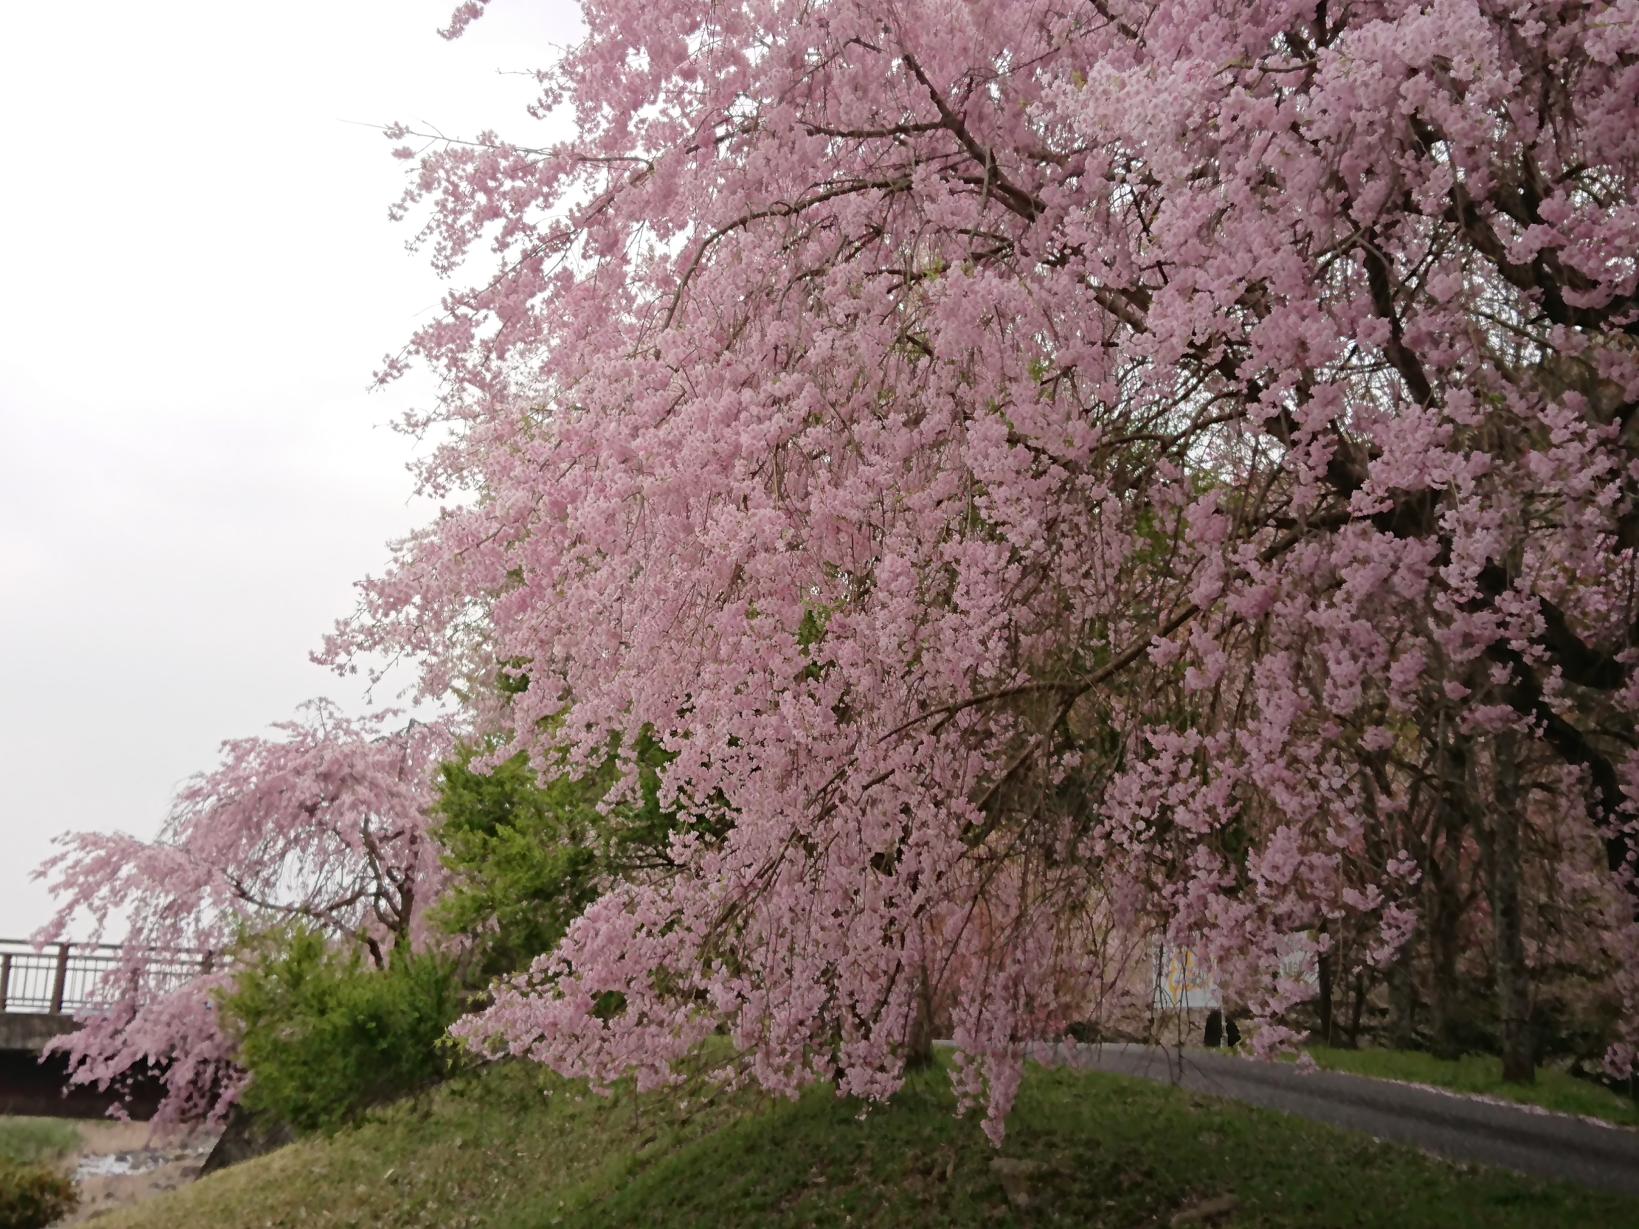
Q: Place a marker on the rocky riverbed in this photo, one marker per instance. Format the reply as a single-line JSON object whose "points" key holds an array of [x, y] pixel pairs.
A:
{"points": [[119, 1163]]}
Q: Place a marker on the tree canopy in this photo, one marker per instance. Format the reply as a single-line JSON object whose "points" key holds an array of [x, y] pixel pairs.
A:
{"points": [[1039, 467], [1008, 482], [325, 825]]}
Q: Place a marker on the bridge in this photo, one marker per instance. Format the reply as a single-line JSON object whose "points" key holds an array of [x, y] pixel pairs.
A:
{"points": [[44, 992]]}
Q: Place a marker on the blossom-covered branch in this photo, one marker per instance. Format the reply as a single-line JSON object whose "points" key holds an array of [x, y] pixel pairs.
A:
{"points": [[326, 822], [1042, 470]]}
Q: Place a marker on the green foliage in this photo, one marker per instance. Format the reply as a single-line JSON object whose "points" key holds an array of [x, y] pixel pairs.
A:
{"points": [[325, 1036], [528, 857], [523, 856], [32, 1192], [33, 1196], [31, 1140]]}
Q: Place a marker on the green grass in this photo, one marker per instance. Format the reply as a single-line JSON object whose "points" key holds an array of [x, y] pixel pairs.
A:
{"points": [[37, 1140], [1481, 1075], [1088, 1150]]}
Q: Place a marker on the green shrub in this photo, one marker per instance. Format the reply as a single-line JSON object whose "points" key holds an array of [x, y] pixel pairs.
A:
{"points": [[325, 1036], [529, 852], [524, 855], [33, 1196]]}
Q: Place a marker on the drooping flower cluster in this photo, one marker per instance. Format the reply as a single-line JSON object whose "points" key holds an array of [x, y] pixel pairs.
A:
{"points": [[325, 824], [1041, 468]]}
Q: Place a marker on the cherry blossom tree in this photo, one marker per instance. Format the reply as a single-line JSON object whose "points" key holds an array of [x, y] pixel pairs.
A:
{"points": [[1035, 465], [326, 824]]}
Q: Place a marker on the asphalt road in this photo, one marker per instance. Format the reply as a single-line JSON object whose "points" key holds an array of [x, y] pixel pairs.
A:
{"points": [[1461, 1128]]}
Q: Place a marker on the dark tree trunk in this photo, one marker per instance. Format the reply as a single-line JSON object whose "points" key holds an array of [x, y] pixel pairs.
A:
{"points": [[1402, 1030], [1326, 976], [1356, 1007], [1444, 947], [919, 1041], [246, 1136], [1507, 930], [1446, 867]]}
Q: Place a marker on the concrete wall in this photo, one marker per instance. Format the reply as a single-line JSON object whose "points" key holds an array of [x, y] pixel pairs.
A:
{"points": [[32, 1084], [29, 1031]]}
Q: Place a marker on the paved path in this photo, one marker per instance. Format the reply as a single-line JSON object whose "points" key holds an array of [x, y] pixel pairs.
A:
{"points": [[1462, 1128]]}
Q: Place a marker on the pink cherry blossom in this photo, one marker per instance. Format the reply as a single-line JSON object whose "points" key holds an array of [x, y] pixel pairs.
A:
{"points": [[326, 824], [1040, 469]]}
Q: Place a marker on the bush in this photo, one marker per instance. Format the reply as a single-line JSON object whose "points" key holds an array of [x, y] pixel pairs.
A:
{"points": [[524, 857], [529, 852], [33, 1196], [325, 1036], [529, 846]]}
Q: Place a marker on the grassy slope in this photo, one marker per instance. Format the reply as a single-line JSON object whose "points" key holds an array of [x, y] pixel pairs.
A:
{"points": [[495, 1152], [1481, 1074], [37, 1139]]}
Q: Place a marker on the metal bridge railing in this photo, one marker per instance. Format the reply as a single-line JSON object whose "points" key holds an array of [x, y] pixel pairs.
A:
{"points": [[63, 978]]}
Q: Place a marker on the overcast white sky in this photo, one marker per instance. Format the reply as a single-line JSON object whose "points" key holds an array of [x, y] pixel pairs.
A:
{"points": [[197, 277]]}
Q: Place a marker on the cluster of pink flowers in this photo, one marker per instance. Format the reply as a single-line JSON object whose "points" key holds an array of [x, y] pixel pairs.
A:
{"points": [[1040, 467], [1055, 479], [326, 824]]}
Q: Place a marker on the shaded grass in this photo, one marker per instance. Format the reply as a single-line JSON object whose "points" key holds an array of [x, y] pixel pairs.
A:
{"points": [[457, 1158], [1481, 1075], [1083, 1149], [37, 1140]]}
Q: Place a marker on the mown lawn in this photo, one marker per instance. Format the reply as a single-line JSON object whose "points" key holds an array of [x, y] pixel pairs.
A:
{"points": [[37, 1140], [1481, 1075], [513, 1149]]}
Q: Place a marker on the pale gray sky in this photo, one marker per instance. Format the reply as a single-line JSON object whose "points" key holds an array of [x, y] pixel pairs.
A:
{"points": [[197, 277]]}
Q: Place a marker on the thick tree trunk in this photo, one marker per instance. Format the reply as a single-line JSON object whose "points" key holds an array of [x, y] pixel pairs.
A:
{"points": [[1356, 1007], [1402, 1030], [1326, 975], [919, 1041], [1444, 947], [1446, 903], [1508, 938]]}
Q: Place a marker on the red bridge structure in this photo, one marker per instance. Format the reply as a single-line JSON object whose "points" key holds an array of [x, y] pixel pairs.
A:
{"points": [[44, 992]]}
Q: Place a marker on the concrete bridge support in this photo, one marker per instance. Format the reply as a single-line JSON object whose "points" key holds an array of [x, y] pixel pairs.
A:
{"points": [[41, 989]]}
